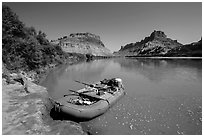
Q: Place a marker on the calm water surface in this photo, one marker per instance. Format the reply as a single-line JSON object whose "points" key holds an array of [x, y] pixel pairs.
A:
{"points": [[163, 96]]}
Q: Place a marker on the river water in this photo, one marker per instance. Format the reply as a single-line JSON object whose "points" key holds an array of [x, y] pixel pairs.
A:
{"points": [[164, 96]]}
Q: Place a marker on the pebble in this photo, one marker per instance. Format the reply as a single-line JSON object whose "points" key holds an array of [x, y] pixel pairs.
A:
{"points": [[131, 126], [200, 119]]}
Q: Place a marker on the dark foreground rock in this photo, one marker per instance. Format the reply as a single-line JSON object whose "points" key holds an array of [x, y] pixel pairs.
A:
{"points": [[28, 112]]}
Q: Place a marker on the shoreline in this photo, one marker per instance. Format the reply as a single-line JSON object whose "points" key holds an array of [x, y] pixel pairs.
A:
{"points": [[28, 113], [47, 70], [164, 57]]}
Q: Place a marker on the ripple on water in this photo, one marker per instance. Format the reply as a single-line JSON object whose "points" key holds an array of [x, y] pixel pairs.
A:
{"points": [[152, 117]]}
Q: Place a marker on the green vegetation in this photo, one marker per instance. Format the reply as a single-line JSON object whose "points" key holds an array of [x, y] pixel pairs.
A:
{"points": [[25, 48]]}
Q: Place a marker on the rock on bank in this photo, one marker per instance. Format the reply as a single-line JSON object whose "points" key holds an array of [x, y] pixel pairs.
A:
{"points": [[28, 113]]}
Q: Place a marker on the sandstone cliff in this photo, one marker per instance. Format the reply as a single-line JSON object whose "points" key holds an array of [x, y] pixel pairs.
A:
{"points": [[84, 43], [154, 45]]}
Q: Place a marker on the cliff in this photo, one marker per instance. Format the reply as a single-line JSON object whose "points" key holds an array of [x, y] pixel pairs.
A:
{"points": [[158, 44], [83, 43]]}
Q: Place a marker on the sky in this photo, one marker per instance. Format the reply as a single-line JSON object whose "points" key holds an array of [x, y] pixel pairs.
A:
{"points": [[117, 24]]}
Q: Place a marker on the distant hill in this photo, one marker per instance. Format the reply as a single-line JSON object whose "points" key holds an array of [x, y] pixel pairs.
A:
{"points": [[158, 44], [189, 50], [84, 43]]}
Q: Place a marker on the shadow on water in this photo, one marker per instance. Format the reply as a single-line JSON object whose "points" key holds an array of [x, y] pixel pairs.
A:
{"points": [[56, 115], [59, 115]]}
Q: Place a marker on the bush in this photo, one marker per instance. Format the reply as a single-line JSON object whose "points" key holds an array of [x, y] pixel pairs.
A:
{"points": [[24, 47]]}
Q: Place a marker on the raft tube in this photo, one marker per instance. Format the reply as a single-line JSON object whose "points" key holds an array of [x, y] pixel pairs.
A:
{"points": [[87, 112]]}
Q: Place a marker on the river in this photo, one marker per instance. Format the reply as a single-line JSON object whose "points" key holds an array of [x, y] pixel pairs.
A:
{"points": [[164, 96]]}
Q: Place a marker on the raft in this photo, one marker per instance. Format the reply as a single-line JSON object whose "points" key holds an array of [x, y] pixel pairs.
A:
{"points": [[88, 103]]}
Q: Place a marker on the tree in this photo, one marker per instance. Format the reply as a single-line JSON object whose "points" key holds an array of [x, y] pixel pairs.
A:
{"points": [[41, 37], [31, 31], [22, 46], [11, 25]]}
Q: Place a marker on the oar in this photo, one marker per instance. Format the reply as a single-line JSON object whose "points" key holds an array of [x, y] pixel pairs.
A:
{"points": [[88, 91], [88, 96], [90, 85], [99, 88]]}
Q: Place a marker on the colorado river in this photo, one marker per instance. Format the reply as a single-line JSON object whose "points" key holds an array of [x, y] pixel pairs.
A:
{"points": [[164, 96]]}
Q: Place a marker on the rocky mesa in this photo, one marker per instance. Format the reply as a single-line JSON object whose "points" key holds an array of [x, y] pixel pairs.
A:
{"points": [[83, 43], [158, 44]]}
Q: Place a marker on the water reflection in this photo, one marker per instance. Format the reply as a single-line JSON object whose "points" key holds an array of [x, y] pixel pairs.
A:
{"points": [[163, 96], [61, 79], [157, 69]]}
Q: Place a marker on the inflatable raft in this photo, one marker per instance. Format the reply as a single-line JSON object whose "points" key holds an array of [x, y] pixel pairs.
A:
{"points": [[91, 101]]}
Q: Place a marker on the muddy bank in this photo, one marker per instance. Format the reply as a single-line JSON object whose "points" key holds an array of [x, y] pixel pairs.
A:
{"points": [[27, 112]]}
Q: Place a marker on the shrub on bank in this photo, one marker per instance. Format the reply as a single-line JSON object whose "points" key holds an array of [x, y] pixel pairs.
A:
{"points": [[24, 48]]}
